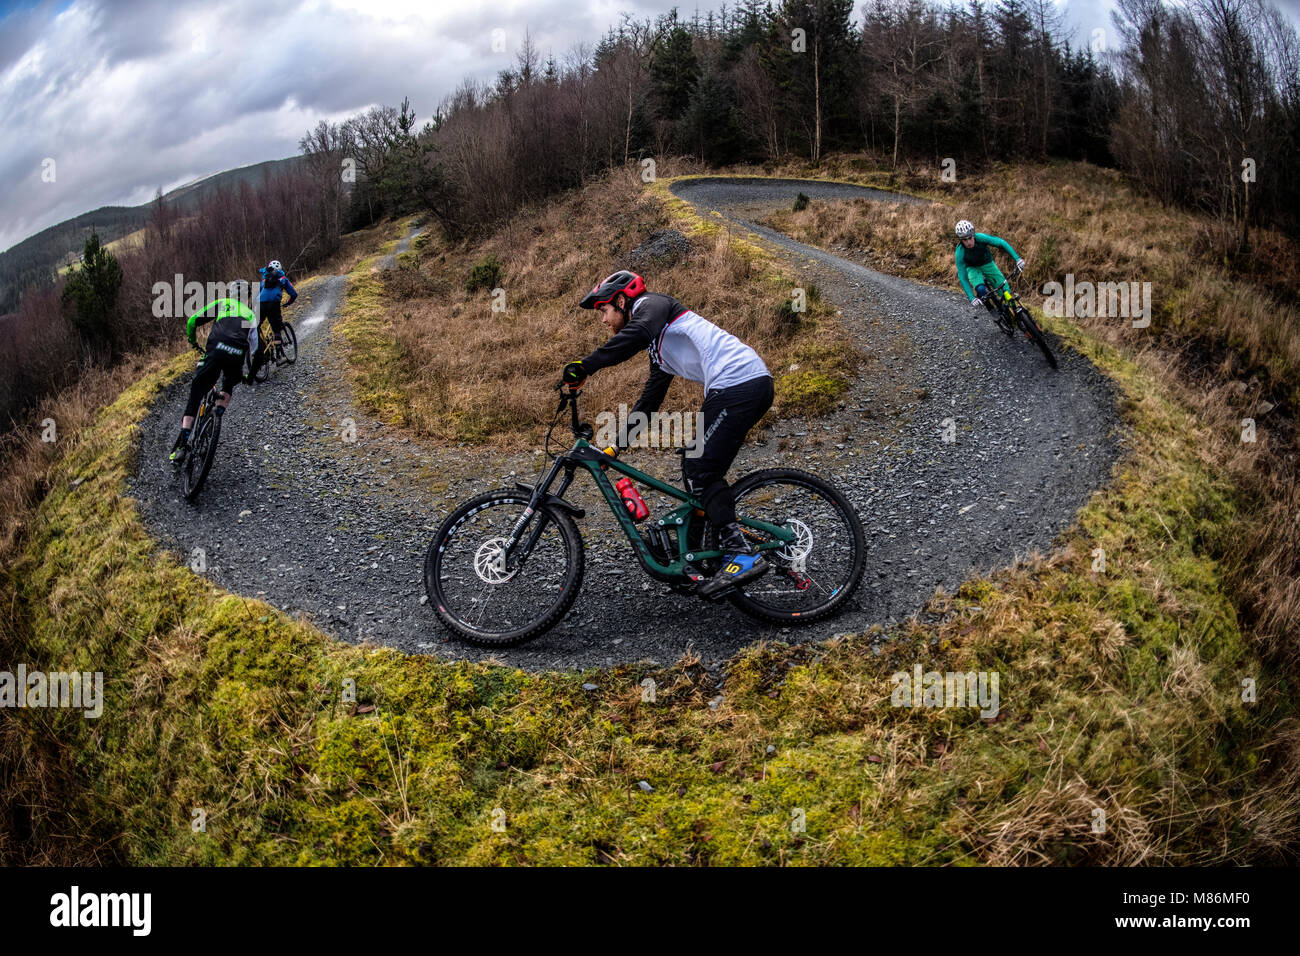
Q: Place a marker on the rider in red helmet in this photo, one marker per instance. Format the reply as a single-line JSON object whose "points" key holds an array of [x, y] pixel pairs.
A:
{"points": [[737, 393]]}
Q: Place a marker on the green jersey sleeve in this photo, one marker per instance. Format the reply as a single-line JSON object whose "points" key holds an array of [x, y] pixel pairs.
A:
{"points": [[996, 241], [960, 256], [193, 323]]}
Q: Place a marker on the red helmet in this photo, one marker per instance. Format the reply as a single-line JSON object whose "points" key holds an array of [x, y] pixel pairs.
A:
{"points": [[628, 283]]}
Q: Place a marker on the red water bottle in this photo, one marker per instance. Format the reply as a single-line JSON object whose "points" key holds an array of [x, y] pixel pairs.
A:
{"points": [[636, 508]]}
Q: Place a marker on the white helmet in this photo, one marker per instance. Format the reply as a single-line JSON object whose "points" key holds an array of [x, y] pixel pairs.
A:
{"points": [[965, 229], [275, 263]]}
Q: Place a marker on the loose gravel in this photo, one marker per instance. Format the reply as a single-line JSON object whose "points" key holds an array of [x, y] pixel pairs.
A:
{"points": [[326, 514]]}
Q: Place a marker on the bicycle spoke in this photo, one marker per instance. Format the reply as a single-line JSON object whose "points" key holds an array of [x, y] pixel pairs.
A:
{"points": [[473, 584], [811, 569]]}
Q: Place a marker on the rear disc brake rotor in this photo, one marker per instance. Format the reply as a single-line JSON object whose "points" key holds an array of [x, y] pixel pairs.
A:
{"points": [[796, 552]]}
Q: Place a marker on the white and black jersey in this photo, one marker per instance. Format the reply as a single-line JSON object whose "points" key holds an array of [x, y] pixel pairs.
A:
{"points": [[680, 342]]}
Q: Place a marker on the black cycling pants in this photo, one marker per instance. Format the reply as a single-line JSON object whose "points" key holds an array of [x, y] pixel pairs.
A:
{"points": [[729, 414], [270, 311], [214, 362]]}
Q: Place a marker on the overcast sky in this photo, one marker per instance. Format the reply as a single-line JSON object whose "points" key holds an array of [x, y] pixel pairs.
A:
{"points": [[126, 96]]}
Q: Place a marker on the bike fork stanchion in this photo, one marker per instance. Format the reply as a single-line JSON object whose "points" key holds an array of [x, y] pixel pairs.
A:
{"points": [[531, 512]]}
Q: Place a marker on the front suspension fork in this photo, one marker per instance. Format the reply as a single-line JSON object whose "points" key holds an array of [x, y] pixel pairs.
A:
{"points": [[517, 551]]}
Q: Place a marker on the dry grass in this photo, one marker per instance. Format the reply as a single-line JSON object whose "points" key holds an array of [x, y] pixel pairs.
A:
{"points": [[26, 459], [357, 245], [458, 371], [35, 778], [1086, 221]]}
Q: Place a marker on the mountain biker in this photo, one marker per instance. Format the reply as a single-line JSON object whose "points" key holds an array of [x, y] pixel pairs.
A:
{"points": [[975, 263], [233, 334], [738, 391], [274, 283]]}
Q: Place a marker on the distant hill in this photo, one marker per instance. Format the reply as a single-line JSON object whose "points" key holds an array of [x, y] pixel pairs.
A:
{"points": [[38, 258], [188, 196]]}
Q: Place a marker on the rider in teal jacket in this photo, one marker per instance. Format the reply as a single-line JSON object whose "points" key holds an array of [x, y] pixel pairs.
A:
{"points": [[975, 265]]}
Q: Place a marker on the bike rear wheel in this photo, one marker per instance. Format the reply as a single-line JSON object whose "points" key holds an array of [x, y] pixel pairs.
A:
{"points": [[289, 344], [264, 371], [1035, 334], [203, 449], [481, 597], [813, 576]]}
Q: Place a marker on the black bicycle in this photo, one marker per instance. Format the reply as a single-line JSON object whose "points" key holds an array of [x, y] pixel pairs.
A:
{"points": [[507, 565], [286, 353], [202, 447], [1011, 315]]}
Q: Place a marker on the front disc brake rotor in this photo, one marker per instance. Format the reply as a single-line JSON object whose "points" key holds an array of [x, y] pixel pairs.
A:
{"points": [[490, 562]]}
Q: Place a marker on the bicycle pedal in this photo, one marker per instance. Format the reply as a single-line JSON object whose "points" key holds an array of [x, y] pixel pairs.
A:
{"points": [[716, 596], [693, 577]]}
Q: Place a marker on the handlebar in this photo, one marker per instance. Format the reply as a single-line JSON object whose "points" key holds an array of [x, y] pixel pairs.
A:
{"points": [[1006, 280], [569, 396]]}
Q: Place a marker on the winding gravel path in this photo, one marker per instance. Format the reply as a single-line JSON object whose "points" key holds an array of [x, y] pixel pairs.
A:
{"points": [[335, 530]]}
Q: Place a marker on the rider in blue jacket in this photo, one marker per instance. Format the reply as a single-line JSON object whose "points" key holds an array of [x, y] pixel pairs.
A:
{"points": [[274, 284]]}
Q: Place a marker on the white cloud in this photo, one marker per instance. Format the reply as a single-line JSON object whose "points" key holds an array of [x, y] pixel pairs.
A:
{"points": [[128, 97], [131, 95]]}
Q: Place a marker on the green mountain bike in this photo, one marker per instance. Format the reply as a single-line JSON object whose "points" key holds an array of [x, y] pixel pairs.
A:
{"points": [[506, 566]]}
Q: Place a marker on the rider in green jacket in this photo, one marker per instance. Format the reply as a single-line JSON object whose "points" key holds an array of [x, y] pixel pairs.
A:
{"points": [[233, 335]]}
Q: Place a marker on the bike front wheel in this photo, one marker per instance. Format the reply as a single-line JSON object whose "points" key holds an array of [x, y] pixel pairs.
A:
{"points": [[816, 573], [264, 371], [494, 599], [1035, 334]]}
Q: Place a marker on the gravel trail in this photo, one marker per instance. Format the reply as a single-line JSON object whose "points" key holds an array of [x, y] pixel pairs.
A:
{"points": [[334, 530]]}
